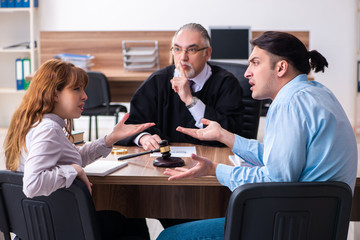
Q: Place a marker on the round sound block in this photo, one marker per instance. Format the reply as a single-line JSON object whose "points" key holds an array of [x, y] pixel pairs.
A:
{"points": [[169, 162]]}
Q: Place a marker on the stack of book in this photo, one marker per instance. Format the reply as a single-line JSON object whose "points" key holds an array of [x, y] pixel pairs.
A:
{"points": [[82, 61], [78, 137]]}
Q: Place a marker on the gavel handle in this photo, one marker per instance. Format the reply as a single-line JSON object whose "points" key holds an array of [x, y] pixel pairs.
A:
{"points": [[137, 154]]}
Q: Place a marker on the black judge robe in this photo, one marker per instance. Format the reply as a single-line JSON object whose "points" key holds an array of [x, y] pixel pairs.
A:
{"points": [[155, 101]]}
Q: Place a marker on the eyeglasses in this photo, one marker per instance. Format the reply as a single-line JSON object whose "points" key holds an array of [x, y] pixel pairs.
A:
{"points": [[190, 50]]}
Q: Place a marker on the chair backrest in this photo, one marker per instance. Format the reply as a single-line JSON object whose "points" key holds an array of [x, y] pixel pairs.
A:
{"points": [[279, 211], [68, 213], [97, 91], [252, 107]]}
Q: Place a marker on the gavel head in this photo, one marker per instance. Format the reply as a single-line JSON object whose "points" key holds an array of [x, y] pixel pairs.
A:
{"points": [[164, 149]]}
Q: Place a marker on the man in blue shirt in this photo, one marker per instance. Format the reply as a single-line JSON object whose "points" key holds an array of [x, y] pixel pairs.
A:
{"points": [[307, 134]]}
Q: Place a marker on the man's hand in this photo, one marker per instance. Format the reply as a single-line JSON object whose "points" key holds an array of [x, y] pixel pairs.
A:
{"points": [[82, 176], [181, 86], [204, 167], [213, 132], [121, 130], [150, 142]]}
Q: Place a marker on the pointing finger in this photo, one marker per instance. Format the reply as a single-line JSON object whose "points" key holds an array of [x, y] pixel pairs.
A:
{"points": [[181, 70]]}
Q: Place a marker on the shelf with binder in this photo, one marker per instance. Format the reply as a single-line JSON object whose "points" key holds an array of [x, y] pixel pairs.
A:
{"points": [[18, 3], [141, 55], [21, 27]]}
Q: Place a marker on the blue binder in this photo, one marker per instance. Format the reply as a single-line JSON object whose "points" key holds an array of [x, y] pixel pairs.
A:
{"points": [[19, 74], [10, 3], [26, 3], [19, 3], [3, 3]]}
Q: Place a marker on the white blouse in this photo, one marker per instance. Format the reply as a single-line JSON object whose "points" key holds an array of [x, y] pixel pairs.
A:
{"points": [[47, 162]]}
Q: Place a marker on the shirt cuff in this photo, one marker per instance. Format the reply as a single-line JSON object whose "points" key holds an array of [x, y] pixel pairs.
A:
{"points": [[240, 144], [198, 111], [137, 139], [69, 173], [223, 173], [101, 148]]}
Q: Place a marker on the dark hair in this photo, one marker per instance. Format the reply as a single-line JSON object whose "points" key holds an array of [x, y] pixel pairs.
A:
{"points": [[291, 49]]}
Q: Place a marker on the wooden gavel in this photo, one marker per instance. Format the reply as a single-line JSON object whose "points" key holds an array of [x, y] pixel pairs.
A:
{"points": [[164, 150]]}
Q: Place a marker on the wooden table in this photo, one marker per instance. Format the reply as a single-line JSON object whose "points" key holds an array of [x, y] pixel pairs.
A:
{"points": [[142, 190]]}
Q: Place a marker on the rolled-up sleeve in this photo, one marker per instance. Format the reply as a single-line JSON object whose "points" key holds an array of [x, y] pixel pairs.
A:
{"points": [[93, 150]]}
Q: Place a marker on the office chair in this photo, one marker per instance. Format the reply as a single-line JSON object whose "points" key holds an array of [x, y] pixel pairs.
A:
{"points": [[287, 211], [99, 100], [252, 107], [67, 213]]}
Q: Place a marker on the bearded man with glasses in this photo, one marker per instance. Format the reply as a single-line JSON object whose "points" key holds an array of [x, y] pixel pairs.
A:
{"points": [[184, 93]]}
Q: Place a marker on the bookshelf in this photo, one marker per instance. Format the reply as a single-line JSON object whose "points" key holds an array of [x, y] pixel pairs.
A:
{"points": [[19, 25]]}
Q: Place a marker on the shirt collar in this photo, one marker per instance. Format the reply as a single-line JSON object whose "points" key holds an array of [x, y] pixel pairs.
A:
{"points": [[285, 89], [202, 77], [56, 119]]}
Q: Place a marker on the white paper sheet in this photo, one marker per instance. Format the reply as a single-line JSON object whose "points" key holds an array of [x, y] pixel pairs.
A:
{"points": [[103, 167], [178, 151]]}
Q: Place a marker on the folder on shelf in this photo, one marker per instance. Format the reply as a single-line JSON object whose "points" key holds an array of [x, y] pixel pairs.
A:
{"points": [[19, 3], [10, 3], [19, 74], [26, 3], [26, 64], [3, 3]]}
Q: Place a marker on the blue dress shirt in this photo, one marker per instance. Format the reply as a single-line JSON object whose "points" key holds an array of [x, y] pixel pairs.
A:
{"points": [[308, 137]]}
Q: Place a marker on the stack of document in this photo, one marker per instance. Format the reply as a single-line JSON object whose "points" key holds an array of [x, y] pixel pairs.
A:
{"points": [[141, 55], [82, 61]]}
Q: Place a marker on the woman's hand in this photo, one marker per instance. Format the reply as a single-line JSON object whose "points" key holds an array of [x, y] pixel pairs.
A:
{"points": [[82, 176], [122, 130]]}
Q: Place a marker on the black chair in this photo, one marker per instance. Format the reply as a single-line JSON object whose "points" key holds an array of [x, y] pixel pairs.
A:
{"points": [[99, 100], [68, 213], [289, 211], [252, 107]]}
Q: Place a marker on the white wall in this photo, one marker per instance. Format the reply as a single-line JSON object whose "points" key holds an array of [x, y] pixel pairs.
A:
{"points": [[331, 24]]}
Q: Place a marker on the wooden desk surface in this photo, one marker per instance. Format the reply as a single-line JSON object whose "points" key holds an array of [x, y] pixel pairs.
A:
{"points": [[140, 170], [142, 190]]}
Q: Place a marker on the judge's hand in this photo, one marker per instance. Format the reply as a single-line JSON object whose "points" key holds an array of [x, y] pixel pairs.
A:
{"points": [[181, 86], [203, 167], [82, 176], [122, 130], [150, 142], [213, 132]]}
